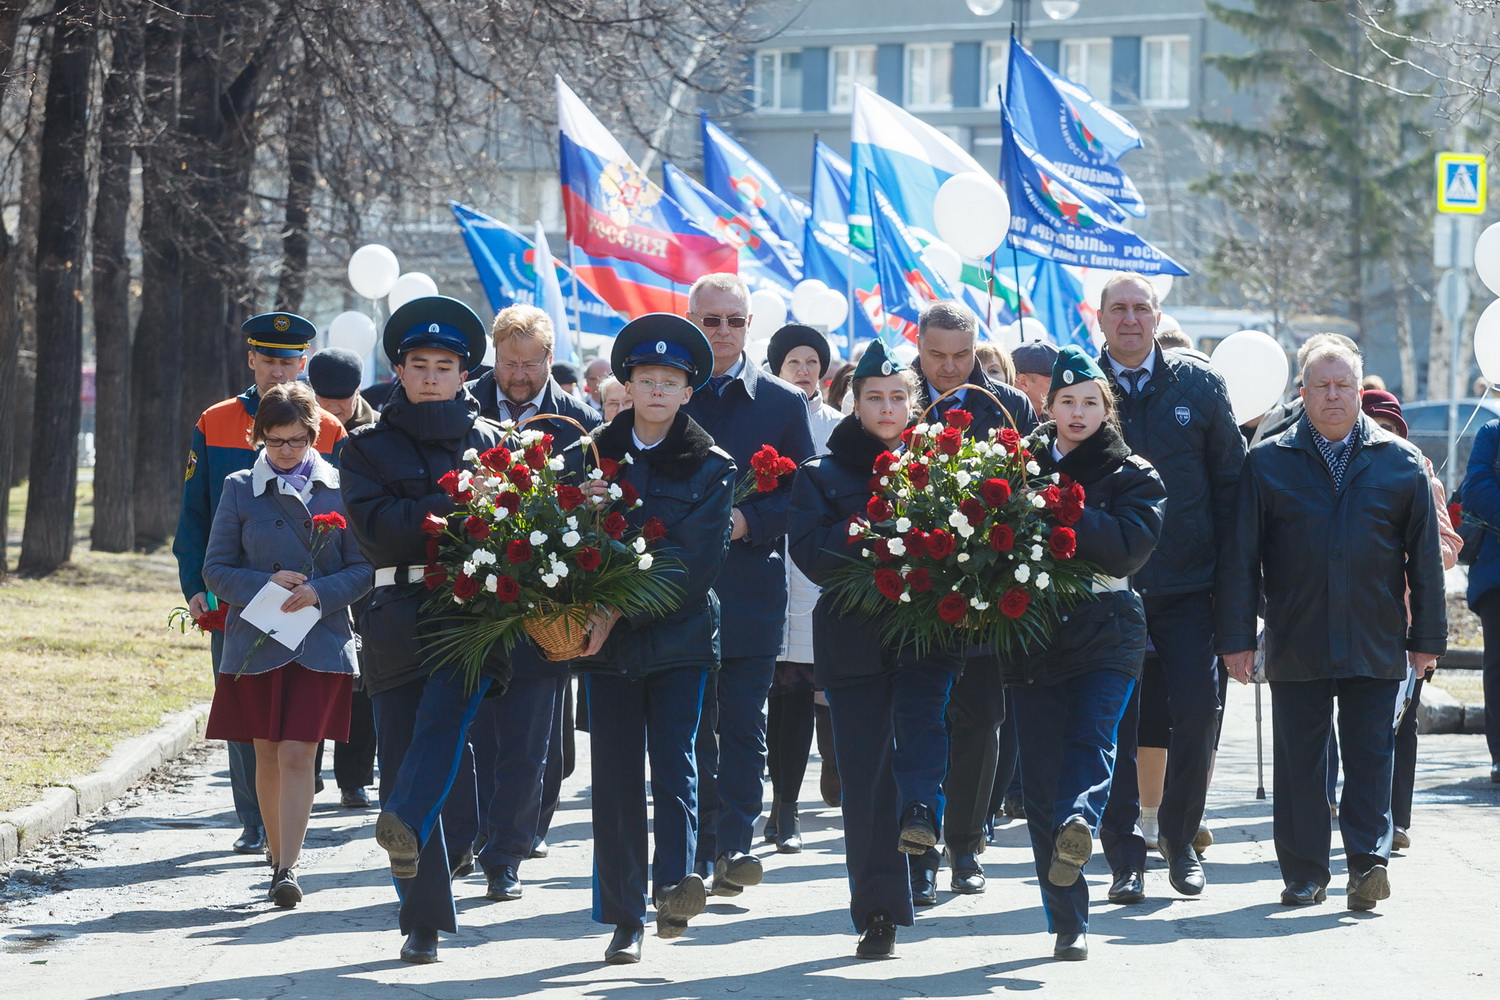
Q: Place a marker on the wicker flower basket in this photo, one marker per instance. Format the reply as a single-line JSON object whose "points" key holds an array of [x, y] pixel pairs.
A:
{"points": [[559, 631]]}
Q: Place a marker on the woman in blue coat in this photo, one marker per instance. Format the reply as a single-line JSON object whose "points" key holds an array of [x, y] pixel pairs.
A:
{"points": [[285, 700], [1481, 502], [645, 675]]}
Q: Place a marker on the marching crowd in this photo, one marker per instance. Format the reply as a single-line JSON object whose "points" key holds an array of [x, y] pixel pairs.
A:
{"points": [[1316, 562]]}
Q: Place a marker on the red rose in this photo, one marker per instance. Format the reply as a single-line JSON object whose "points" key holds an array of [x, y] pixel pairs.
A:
{"points": [[919, 580], [1015, 602], [655, 530], [1456, 513], [497, 459], [972, 509], [916, 543], [587, 558], [1073, 491], [332, 521], [510, 501], [1002, 538], [1062, 542], [958, 419], [1052, 496], [434, 547], [949, 440], [614, 525], [629, 494], [1009, 438], [520, 477], [569, 497], [449, 483], [919, 474], [433, 525], [609, 467], [547, 442], [213, 621], [477, 528], [995, 491], [434, 576], [1069, 512], [465, 587], [518, 550], [536, 456], [884, 463], [939, 543], [507, 589], [906, 437], [879, 510], [952, 607], [882, 549], [889, 583]]}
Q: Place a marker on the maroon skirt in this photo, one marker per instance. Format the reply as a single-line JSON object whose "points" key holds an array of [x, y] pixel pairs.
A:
{"points": [[288, 703]]}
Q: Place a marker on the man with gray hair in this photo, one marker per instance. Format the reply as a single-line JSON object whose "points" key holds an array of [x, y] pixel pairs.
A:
{"points": [[1334, 525]]}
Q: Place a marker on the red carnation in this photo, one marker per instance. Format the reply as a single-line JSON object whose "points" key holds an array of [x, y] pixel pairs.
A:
{"points": [[587, 558], [434, 576], [1062, 542], [949, 440], [655, 530], [609, 467], [569, 497], [952, 607], [213, 621], [507, 589], [510, 501], [919, 474], [884, 463], [1009, 438], [465, 587], [765, 460], [958, 419], [971, 508], [1456, 513], [477, 528], [1002, 538], [1015, 602], [332, 521], [765, 483], [919, 580], [614, 525], [879, 510], [882, 549], [889, 583], [433, 525], [518, 550], [536, 456], [939, 543], [629, 494], [497, 459], [916, 543], [995, 491], [520, 477]]}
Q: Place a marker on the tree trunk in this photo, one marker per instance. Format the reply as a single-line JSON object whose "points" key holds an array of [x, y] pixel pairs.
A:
{"points": [[27, 225], [10, 325], [114, 502], [301, 145], [48, 539]]}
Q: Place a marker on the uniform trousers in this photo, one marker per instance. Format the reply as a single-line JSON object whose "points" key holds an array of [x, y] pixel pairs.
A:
{"points": [[241, 757], [421, 728], [1181, 628], [732, 754], [559, 755], [512, 738], [630, 719], [1301, 715], [1067, 734], [975, 714], [892, 750]]}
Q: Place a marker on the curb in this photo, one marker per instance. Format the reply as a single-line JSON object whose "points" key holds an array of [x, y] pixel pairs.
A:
{"points": [[23, 829]]}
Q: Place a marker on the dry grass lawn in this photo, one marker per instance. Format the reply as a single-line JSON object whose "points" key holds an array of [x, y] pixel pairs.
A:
{"points": [[86, 659]]}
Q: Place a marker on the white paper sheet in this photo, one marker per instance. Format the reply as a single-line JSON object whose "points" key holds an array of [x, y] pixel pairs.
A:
{"points": [[264, 612]]}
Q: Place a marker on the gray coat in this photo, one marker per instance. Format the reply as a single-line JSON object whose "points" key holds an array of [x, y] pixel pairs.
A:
{"points": [[261, 527]]}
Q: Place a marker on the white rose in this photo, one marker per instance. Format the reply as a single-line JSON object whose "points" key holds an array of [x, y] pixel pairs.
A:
{"points": [[897, 546], [958, 518], [964, 479], [963, 557], [560, 568], [1023, 573], [538, 538], [549, 579], [556, 464], [646, 560], [501, 513], [570, 539], [965, 530], [903, 524], [573, 523], [639, 544], [1036, 553], [1033, 468], [492, 583], [1042, 579]]}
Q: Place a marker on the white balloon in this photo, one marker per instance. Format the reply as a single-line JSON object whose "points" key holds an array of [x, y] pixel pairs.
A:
{"points": [[1255, 369], [972, 213], [1163, 285], [1031, 329], [1094, 280], [984, 8], [767, 314], [373, 270], [945, 262], [829, 309], [803, 296], [1487, 257], [1487, 340], [411, 285], [353, 331]]}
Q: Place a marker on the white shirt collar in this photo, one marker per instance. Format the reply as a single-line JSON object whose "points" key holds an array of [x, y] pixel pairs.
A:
{"points": [[1148, 366], [641, 445], [737, 369]]}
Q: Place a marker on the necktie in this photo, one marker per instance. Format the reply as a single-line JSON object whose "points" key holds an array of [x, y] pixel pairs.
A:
{"points": [[1134, 376], [516, 409], [945, 405], [718, 383]]}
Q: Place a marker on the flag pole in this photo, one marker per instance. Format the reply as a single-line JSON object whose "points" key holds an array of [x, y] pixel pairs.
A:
{"points": [[577, 309]]}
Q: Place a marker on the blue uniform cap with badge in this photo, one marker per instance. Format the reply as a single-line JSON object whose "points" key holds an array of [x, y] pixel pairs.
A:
{"points": [[278, 334], [1073, 366], [663, 339], [876, 362], [436, 321]]}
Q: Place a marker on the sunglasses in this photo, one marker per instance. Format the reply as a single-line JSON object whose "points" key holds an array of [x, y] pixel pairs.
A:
{"points": [[734, 322]]}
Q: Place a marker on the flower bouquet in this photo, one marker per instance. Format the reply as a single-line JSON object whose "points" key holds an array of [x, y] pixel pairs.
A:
{"points": [[528, 553], [963, 540]]}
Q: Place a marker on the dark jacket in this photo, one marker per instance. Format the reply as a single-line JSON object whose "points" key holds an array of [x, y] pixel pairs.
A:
{"points": [[1334, 565], [1181, 422], [847, 648], [689, 484], [390, 474], [987, 416], [756, 409], [1121, 524], [1481, 501]]}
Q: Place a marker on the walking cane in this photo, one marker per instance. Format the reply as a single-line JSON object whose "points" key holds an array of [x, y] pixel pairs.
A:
{"points": [[1260, 760]]}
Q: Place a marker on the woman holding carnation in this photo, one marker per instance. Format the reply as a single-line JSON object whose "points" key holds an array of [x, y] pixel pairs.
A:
{"points": [[886, 701], [1069, 695], [645, 675], [281, 521]]}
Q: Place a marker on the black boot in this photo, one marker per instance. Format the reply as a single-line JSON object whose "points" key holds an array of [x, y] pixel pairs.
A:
{"points": [[829, 785], [773, 821], [788, 828]]}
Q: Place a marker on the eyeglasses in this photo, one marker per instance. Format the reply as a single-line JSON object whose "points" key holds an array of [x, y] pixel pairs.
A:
{"points": [[529, 367], [735, 322], [665, 388], [300, 442]]}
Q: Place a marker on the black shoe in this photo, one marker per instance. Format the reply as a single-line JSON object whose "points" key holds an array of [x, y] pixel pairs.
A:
{"points": [[1303, 894], [1184, 870], [1072, 846], [252, 841], [1128, 887], [504, 884], [679, 904], [1495, 774], [918, 829], [420, 947], [788, 829], [878, 939], [285, 892], [540, 849], [1071, 947], [462, 868], [922, 870], [400, 842], [966, 873], [1366, 890], [625, 947], [354, 798], [1011, 808], [769, 834], [733, 871]]}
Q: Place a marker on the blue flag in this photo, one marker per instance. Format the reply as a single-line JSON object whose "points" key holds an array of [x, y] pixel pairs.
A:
{"points": [[1056, 298], [851, 271], [739, 179], [766, 261], [831, 178], [1052, 121]]}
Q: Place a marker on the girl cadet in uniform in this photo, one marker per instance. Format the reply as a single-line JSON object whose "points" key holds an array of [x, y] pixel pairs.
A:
{"points": [[1069, 696], [285, 701], [645, 676], [887, 704]]}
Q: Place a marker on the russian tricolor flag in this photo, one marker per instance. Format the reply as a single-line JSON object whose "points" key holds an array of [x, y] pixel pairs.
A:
{"points": [[614, 210]]}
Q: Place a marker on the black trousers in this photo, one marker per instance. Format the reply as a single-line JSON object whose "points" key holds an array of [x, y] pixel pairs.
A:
{"points": [[354, 761], [976, 709], [1488, 610]]}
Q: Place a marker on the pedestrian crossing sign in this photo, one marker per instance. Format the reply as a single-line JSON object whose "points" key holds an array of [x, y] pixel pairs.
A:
{"points": [[1460, 183]]}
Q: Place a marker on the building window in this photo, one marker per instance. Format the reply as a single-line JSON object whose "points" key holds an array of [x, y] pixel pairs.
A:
{"points": [[929, 76], [778, 80], [996, 56], [1164, 71], [1087, 62], [850, 64]]}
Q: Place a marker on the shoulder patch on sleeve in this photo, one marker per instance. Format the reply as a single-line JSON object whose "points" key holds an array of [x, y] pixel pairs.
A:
{"points": [[192, 465]]}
